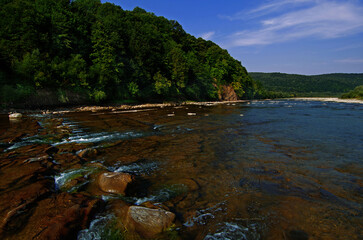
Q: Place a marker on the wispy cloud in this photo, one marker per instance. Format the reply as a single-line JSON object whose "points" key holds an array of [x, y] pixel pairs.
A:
{"points": [[348, 47], [277, 5], [207, 35], [319, 19], [271, 7], [350, 60]]}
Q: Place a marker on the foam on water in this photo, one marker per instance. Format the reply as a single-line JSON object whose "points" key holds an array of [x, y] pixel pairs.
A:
{"points": [[203, 216], [28, 141], [77, 135], [163, 194], [96, 228], [230, 230], [98, 137], [64, 177], [136, 168]]}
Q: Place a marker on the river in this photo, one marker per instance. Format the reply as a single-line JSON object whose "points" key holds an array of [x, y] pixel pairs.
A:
{"points": [[285, 169]]}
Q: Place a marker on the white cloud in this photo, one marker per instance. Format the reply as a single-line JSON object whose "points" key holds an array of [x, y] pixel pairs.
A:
{"points": [[207, 35], [324, 19], [348, 47], [266, 9], [350, 60], [276, 5]]}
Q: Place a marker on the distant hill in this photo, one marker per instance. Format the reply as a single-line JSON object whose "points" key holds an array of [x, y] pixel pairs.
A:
{"points": [[309, 86]]}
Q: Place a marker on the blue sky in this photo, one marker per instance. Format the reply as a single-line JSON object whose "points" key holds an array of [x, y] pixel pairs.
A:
{"points": [[291, 36]]}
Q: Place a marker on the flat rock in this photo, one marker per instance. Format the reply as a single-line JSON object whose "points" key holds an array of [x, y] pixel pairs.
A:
{"points": [[149, 222], [60, 216], [88, 153], [114, 182]]}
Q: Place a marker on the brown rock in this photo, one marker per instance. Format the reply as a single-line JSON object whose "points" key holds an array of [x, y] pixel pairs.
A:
{"points": [[190, 183], [148, 222], [228, 93], [67, 159], [16, 205], [61, 216], [73, 219], [119, 208], [73, 147], [17, 137], [88, 153], [51, 150], [225, 92], [114, 182]]}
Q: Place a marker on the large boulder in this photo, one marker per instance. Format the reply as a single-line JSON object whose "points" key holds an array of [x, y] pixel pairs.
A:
{"points": [[148, 222], [114, 182]]}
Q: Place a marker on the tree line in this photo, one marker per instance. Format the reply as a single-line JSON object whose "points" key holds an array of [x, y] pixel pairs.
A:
{"points": [[288, 85], [107, 53]]}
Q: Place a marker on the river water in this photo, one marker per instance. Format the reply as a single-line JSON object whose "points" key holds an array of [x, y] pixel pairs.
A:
{"points": [[283, 169]]}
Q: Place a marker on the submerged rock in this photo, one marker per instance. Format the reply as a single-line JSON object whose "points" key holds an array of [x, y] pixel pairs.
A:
{"points": [[51, 150], [17, 138], [61, 216], [76, 215], [88, 153], [114, 182], [149, 222]]}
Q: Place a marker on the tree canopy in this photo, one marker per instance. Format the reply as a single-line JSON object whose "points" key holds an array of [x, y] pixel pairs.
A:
{"points": [[110, 53], [308, 86]]}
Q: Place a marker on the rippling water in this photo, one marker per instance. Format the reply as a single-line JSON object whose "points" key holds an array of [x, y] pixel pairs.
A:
{"points": [[267, 169], [259, 170]]}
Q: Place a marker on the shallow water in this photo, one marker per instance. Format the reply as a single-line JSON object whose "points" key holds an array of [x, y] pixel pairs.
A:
{"points": [[259, 170]]}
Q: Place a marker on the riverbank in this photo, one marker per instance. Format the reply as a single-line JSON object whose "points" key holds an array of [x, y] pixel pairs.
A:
{"points": [[95, 108], [321, 99], [136, 107]]}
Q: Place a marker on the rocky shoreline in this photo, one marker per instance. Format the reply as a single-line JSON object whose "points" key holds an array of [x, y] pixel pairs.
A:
{"points": [[35, 204], [136, 107], [114, 107]]}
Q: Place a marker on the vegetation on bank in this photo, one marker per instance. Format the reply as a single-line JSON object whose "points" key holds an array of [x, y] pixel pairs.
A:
{"points": [[356, 93], [293, 85], [58, 50]]}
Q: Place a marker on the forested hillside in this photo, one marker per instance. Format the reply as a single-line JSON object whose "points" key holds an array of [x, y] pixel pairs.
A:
{"points": [[355, 93], [302, 85], [100, 51]]}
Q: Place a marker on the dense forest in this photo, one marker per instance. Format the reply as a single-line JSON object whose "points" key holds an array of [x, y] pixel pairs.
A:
{"points": [[355, 93], [86, 50], [293, 85]]}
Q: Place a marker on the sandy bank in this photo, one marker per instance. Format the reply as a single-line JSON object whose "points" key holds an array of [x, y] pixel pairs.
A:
{"points": [[329, 100]]}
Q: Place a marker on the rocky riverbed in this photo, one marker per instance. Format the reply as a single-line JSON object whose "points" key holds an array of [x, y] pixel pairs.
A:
{"points": [[242, 170], [51, 188]]}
